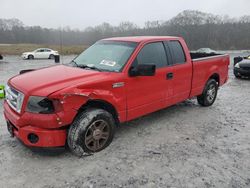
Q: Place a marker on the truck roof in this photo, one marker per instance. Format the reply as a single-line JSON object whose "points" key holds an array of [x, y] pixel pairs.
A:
{"points": [[141, 38]]}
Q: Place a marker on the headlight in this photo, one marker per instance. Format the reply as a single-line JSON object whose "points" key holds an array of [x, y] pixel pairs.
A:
{"points": [[19, 103], [41, 105], [14, 98], [237, 65]]}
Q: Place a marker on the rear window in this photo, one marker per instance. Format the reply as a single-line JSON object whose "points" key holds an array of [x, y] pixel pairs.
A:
{"points": [[178, 55]]}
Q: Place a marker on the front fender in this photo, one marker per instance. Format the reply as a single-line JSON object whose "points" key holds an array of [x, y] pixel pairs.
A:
{"points": [[73, 100], [76, 99]]}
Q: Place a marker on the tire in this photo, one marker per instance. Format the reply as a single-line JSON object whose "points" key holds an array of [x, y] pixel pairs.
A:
{"points": [[51, 56], [30, 57], [209, 93], [92, 131]]}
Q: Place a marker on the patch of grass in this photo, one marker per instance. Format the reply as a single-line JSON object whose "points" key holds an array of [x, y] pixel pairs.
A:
{"points": [[18, 49]]}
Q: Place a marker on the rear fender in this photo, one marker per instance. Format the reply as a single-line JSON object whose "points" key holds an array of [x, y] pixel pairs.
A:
{"points": [[213, 70]]}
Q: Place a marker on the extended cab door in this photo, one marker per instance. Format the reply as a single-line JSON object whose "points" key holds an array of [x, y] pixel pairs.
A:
{"points": [[181, 73], [146, 94]]}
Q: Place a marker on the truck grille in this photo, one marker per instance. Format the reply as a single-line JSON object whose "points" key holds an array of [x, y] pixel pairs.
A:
{"points": [[14, 98]]}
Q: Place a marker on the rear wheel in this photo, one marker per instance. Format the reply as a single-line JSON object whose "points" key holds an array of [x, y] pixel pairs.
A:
{"points": [[30, 57], [209, 93], [51, 56], [92, 131]]}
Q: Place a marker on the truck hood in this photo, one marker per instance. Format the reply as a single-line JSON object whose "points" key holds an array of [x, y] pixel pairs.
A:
{"points": [[43, 82]]}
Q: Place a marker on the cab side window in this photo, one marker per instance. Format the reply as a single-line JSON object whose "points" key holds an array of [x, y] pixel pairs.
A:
{"points": [[153, 53], [177, 53]]}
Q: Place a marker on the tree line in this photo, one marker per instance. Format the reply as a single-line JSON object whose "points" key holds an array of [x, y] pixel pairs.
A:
{"points": [[199, 29]]}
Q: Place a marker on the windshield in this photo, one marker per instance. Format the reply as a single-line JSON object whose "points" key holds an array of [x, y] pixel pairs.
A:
{"points": [[106, 55]]}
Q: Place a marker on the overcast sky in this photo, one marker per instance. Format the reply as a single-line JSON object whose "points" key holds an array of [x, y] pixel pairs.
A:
{"points": [[83, 13]]}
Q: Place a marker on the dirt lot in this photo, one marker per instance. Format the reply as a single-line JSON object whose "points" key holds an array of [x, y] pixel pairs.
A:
{"points": [[182, 146]]}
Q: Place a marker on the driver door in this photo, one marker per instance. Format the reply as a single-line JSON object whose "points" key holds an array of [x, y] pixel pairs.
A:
{"points": [[146, 94]]}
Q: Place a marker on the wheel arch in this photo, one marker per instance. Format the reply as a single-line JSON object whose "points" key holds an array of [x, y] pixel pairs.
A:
{"points": [[216, 77], [97, 103]]}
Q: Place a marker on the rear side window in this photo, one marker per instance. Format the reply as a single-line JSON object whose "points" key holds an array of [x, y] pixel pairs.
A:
{"points": [[178, 55], [153, 53]]}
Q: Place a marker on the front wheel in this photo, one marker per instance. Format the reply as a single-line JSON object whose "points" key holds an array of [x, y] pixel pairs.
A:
{"points": [[209, 93], [92, 131], [30, 57]]}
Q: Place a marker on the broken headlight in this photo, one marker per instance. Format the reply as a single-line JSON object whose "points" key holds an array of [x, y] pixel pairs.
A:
{"points": [[41, 105]]}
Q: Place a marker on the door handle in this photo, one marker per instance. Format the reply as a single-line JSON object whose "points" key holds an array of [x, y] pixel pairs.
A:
{"points": [[170, 76]]}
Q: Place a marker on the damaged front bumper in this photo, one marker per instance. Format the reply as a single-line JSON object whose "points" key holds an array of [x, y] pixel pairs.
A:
{"points": [[36, 136]]}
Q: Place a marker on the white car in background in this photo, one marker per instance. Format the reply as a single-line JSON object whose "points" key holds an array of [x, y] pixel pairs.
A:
{"points": [[41, 53]]}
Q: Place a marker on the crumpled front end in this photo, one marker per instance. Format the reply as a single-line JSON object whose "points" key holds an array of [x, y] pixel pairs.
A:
{"points": [[32, 134]]}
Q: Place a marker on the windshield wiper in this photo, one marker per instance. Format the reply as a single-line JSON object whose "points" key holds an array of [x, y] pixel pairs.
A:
{"points": [[88, 67], [74, 63], [84, 66]]}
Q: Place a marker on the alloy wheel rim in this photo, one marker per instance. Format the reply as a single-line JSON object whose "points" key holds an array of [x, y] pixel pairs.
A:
{"points": [[211, 93], [97, 135]]}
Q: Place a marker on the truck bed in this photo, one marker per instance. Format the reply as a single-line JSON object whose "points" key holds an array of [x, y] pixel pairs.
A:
{"points": [[195, 55], [203, 67]]}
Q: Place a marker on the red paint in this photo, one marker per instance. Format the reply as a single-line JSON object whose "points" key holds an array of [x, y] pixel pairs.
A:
{"points": [[139, 95]]}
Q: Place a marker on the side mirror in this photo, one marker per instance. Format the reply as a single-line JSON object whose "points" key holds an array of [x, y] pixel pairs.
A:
{"points": [[142, 70]]}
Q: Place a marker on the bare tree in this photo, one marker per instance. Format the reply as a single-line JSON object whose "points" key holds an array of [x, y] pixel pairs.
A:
{"points": [[198, 28]]}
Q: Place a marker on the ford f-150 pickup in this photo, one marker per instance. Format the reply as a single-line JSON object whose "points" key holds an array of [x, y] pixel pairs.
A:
{"points": [[113, 81]]}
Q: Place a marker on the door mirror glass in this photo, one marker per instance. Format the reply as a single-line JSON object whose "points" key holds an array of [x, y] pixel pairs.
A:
{"points": [[142, 70]]}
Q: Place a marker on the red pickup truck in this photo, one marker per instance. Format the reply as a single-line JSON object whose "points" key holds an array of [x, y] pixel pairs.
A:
{"points": [[113, 81]]}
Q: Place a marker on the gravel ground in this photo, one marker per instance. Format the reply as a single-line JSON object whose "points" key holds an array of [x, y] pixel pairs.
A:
{"points": [[182, 146]]}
